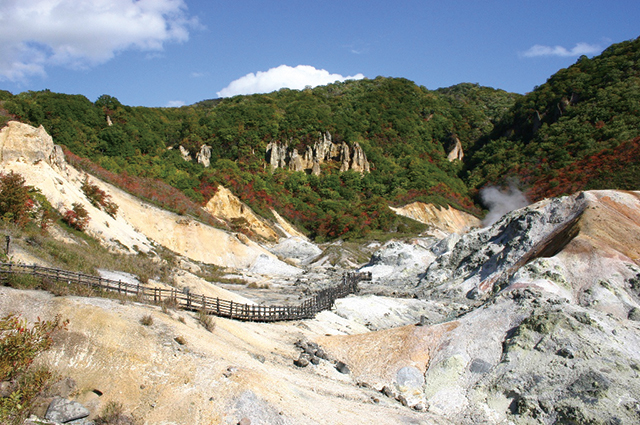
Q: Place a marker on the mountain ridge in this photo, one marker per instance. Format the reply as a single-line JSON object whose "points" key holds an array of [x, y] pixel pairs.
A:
{"points": [[585, 112]]}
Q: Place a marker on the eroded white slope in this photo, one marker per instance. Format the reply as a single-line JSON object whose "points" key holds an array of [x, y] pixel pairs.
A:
{"points": [[138, 225]]}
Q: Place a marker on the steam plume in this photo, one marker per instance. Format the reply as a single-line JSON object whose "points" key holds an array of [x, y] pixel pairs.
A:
{"points": [[501, 202]]}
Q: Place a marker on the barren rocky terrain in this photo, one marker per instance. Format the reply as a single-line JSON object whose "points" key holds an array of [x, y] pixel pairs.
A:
{"points": [[534, 319]]}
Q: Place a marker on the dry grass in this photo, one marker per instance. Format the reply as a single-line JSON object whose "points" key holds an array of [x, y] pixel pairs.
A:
{"points": [[113, 414], [206, 321], [146, 320]]}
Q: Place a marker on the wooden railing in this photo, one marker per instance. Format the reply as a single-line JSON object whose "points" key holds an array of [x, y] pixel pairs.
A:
{"points": [[322, 300]]}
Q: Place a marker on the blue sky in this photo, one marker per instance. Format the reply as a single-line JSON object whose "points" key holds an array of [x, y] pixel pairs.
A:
{"points": [[175, 52]]}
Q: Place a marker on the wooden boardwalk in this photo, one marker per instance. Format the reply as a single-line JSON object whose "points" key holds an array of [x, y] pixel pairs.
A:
{"points": [[322, 300]]}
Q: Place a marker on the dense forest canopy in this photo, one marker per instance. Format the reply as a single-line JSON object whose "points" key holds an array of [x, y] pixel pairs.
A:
{"points": [[583, 115]]}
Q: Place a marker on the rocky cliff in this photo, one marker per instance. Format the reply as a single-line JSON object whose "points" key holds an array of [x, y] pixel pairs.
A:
{"points": [[228, 207], [278, 155]]}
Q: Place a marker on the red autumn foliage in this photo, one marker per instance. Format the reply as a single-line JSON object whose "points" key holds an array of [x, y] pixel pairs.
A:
{"points": [[155, 191], [579, 175], [78, 217]]}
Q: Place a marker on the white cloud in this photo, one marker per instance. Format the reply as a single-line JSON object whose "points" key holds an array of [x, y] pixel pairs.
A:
{"points": [[175, 103], [35, 34], [280, 77], [578, 50]]}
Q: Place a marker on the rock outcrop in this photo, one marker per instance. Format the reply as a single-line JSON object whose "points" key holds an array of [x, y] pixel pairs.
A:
{"points": [[454, 149], [442, 221], [324, 150], [204, 156], [226, 206], [185, 153], [551, 293], [567, 246], [22, 142]]}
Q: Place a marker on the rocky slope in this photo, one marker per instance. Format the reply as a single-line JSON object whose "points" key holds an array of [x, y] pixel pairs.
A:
{"points": [[31, 152], [534, 319], [543, 309], [442, 221]]}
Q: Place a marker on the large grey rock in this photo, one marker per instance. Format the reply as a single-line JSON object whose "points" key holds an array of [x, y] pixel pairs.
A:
{"points": [[409, 377], [63, 410]]}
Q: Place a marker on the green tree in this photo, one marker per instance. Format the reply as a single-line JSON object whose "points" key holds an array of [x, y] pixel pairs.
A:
{"points": [[15, 203]]}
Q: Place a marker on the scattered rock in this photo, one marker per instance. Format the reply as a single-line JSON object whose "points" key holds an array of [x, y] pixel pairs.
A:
{"points": [[387, 392], [245, 421], [402, 399], [634, 314], [566, 353], [63, 410], [303, 360], [342, 368], [230, 371]]}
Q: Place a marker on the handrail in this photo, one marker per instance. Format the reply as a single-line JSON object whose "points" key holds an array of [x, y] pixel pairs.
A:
{"points": [[322, 300]]}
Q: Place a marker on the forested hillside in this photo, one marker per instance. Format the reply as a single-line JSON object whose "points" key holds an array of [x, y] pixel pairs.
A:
{"points": [[579, 130]]}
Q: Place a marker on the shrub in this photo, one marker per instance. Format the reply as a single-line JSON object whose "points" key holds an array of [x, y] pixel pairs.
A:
{"points": [[146, 320], [113, 414], [77, 218], [19, 345], [99, 197], [206, 321], [23, 281]]}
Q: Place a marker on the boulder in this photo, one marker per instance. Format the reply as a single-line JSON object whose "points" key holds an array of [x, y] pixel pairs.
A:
{"points": [[63, 410]]}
